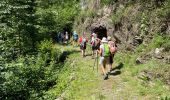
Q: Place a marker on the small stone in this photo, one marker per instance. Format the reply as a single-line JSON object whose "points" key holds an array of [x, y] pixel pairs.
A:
{"points": [[139, 61]]}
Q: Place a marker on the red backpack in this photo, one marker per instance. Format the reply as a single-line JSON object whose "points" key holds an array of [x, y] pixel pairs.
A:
{"points": [[113, 47]]}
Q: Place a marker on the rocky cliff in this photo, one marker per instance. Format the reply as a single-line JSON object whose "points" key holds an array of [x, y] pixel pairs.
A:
{"points": [[133, 23]]}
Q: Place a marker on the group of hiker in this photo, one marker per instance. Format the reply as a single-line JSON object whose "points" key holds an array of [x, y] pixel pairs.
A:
{"points": [[106, 48], [64, 37]]}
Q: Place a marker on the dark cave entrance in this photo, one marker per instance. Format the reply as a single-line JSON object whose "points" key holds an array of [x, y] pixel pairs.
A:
{"points": [[101, 32]]}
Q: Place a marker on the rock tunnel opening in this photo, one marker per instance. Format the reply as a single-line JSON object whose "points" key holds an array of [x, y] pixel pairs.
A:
{"points": [[101, 32]]}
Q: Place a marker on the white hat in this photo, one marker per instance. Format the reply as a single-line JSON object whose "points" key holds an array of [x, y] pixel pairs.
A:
{"points": [[104, 40]]}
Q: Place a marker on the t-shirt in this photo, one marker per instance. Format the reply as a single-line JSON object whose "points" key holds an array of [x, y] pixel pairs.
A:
{"points": [[93, 41], [66, 35], [102, 47]]}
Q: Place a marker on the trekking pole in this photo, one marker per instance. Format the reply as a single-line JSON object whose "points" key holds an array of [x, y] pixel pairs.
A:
{"points": [[97, 62], [94, 63]]}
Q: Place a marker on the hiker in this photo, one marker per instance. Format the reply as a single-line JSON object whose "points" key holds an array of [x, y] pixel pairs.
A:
{"points": [[66, 37], [83, 40], [62, 37], [93, 44], [104, 52], [75, 38], [113, 49], [59, 37]]}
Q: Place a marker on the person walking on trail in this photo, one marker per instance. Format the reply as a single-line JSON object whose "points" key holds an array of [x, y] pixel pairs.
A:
{"points": [[104, 52], [113, 50], [93, 44], [83, 41], [62, 37], [75, 38], [66, 37]]}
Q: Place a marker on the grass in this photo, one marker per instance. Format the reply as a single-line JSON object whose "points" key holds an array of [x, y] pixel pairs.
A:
{"points": [[86, 83], [152, 89]]}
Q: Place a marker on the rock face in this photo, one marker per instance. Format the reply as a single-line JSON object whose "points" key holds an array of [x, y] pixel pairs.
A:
{"points": [[124, 29], [158, 53], [127, 21]]}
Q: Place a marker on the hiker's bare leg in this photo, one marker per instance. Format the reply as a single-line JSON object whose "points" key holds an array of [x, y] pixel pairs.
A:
{"points": [[92, 53], [82, 52], [103, 70], [96, 53], [73, 43], [110, 67], [111, 63], [104, 67]]}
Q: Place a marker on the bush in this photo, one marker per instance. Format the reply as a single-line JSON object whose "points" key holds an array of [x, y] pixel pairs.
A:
{"points": [[166, 44], [159, 41], [45, 46], [165, 10], [28, 76]]}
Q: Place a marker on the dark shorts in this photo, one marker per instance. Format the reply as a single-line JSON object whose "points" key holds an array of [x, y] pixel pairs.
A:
{"points": [[75, 40], [82, 47], [94, 48], [111, 59]]}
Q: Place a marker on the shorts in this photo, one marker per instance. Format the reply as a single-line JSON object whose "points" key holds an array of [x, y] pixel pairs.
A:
{"points": [[75, 40], [82, 47], [94, 48], [111, 59], [104, 60]]}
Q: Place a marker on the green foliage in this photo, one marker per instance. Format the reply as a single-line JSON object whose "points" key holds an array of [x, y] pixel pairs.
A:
{"points": [[116, 17], [144, 26], [63, 82], [17, 26], [166, 44], [91, 13], [145, 85], [56, 18], [28, 69], [27, 77], [158, 41], [165, 10], [107, 2], [165, 98], [45, 46]]}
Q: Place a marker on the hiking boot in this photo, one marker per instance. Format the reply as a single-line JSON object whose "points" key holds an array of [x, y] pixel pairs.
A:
{"points": [[105, 77], [108, 73]]}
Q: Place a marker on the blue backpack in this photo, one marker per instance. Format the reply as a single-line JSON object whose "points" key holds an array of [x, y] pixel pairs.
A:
{"points": [[75, 36]]}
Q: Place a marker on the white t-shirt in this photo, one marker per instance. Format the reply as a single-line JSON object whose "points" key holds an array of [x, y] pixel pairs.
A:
{"points": [[66, 35], [102, 47]]}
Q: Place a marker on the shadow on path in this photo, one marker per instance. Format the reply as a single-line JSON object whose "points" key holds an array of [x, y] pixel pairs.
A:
{"points": [[65, 54], [117, 70]]}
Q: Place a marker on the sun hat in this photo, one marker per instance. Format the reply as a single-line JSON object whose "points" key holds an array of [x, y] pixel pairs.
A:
{"points": [[104, 40]]}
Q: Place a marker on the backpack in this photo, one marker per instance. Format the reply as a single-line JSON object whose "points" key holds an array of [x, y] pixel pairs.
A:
{"points": [[93, 43], [75, 36], [113, 48], [83, 42], [106, 50]]}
